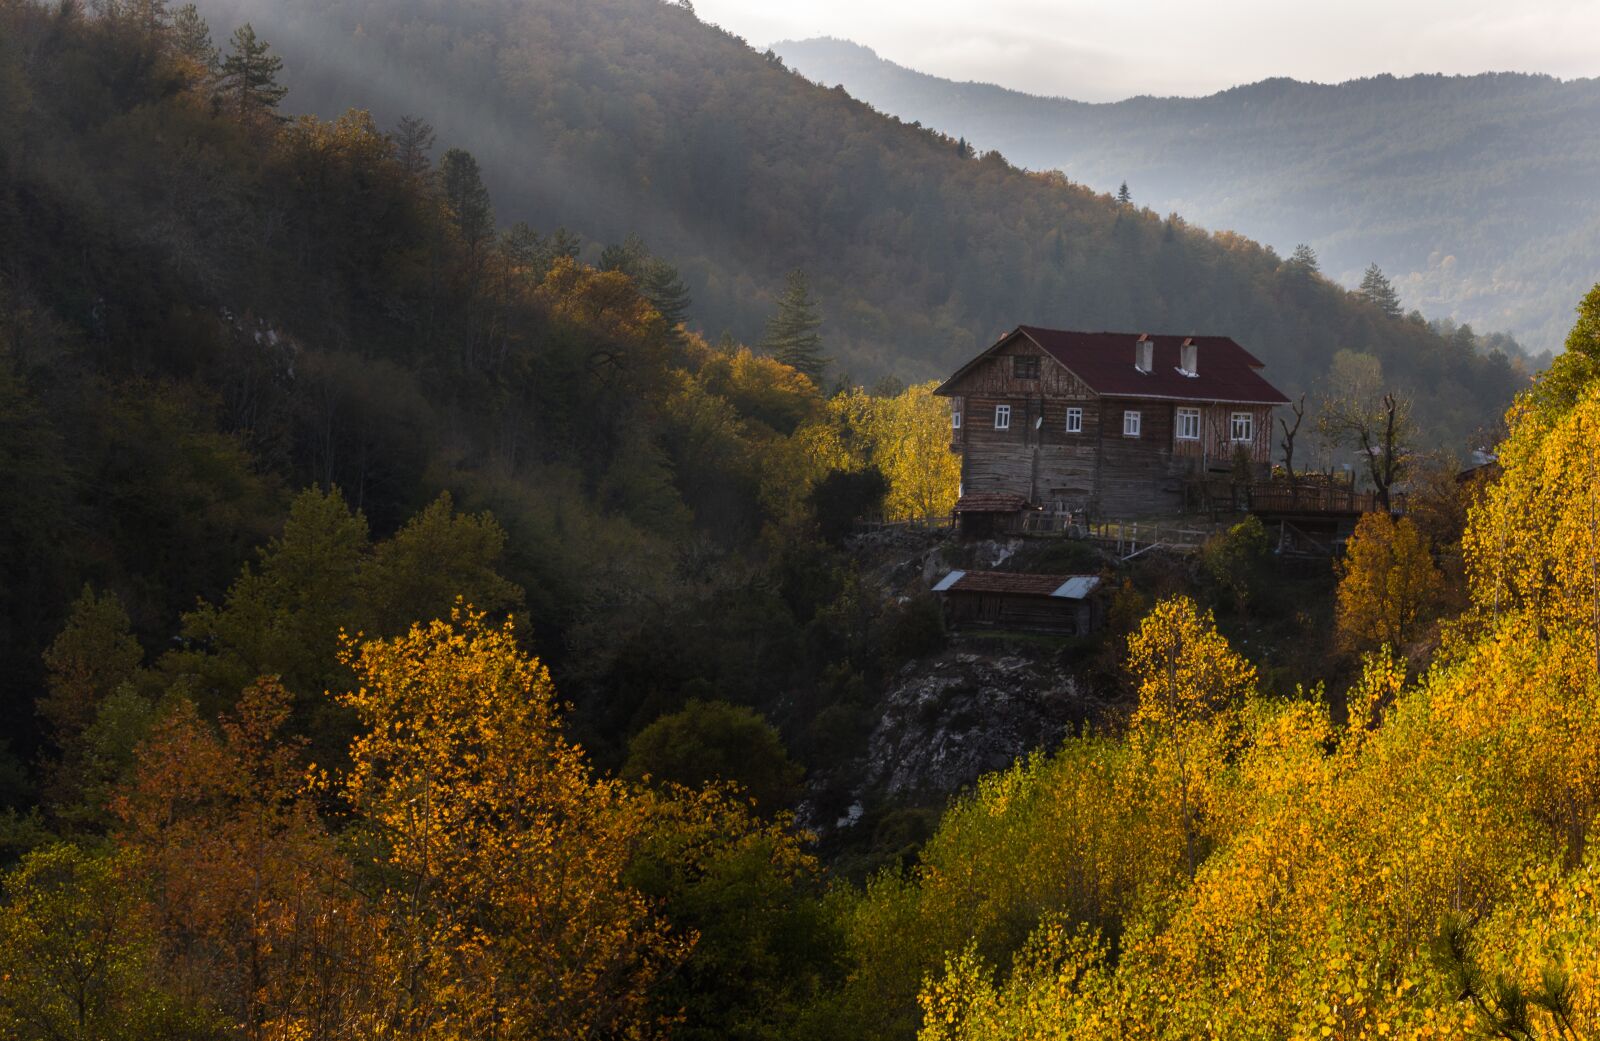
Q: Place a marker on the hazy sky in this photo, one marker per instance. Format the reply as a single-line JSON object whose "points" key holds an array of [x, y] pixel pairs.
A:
{"points": [[1099, 51]]}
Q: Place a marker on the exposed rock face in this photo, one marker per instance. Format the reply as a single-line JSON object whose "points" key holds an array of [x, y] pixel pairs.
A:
{"points": [[947, 720]]}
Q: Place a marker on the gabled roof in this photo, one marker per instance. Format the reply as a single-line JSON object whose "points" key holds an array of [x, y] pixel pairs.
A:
{"points": [[991, 502], [1058, 587], [1105, 361]]}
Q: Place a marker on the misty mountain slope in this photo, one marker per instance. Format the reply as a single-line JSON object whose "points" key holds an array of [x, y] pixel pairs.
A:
{"points": [[632, 116], [1476, 194]]}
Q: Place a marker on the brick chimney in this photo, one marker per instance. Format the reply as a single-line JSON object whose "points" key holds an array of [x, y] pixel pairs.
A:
{"points": [[1144, 353]]}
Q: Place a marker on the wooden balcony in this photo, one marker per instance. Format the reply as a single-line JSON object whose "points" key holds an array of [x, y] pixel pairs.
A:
{"points": [[1317, 497]]}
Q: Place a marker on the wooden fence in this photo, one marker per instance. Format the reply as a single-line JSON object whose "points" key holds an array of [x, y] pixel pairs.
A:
{"points": [[1129, 539]]}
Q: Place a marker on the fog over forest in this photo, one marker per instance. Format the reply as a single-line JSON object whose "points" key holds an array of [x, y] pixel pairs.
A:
{"points": [[1474, 194]]}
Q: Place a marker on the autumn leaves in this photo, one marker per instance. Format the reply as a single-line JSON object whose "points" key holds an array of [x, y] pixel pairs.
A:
{"points": [[464, 874]]}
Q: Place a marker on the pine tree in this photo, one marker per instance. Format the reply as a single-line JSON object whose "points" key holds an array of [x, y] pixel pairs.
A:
{"points": [[631, 257], [1304, 259], [1378, 290], [564, 243], [467, 197], [1124, 196], [192, 38], [661, 286], [791, 333], [413, 140], [250, 74]]}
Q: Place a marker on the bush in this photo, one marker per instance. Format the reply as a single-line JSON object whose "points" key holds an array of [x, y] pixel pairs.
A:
{"points": [[712, 741], [910, 630], [846, 496]]}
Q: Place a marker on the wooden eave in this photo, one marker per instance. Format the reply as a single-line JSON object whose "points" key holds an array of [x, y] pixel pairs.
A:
{"points": [[947, 388]]}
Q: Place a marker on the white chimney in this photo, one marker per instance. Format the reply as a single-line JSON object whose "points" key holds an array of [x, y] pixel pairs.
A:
{"points": [[1144, 354], [1189, 360]]}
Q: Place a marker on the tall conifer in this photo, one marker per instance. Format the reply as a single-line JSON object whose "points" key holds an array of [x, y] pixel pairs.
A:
{"points": [[791, 333], [250, 74], [1377, 289]]}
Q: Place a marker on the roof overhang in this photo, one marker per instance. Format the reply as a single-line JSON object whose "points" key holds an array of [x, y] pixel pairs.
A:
{"points": [[945, 389], [1195, 401]]}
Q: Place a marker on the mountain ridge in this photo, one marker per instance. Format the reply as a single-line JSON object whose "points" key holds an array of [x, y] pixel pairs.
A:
{"points": [[846, 45], [1471, 192], [622, 117]]}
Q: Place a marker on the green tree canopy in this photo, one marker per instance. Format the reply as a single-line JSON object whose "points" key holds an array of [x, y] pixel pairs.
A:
{"points": [[791, 334], [1379, 291], [250, 74], [468, 198], [710, 741]]}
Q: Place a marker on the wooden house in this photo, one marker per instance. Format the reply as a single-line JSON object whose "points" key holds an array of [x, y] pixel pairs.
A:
{"points": [[1114, 423], [1066, 604]]}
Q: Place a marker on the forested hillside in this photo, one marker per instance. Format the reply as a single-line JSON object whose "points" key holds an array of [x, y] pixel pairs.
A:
{"points": [[631, 116], [410, 631], [1473, 193], [263, 378]]}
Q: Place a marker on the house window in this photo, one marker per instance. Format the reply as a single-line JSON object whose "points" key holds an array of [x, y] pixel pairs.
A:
{"points": [[1244, 426], [1002, 417], [1025, 366], [955, 420], [1130, 423], [1188, 424], [1074, 420]]}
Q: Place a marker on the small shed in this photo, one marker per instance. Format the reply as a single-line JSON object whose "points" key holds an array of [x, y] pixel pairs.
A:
{"points": [[1066, 604], [988, 513]]}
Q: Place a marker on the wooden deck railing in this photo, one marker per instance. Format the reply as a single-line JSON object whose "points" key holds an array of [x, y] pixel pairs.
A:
{"points": [[1319, 497], [1131, 538]]}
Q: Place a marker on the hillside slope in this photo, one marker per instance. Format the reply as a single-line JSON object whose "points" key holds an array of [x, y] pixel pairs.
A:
{"points": [[632, 116], [1474, 193]]}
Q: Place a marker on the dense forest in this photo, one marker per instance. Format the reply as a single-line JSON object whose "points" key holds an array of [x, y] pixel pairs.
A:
{"points": [[411, 626], [618, 117], [1472, 192]]}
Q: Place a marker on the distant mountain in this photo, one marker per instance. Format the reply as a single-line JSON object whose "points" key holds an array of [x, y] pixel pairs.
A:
{"points": [[619, 117], [1475, 194]]}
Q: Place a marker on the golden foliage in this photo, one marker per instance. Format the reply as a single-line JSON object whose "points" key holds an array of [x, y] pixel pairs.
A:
{"points": [[1387, 584], [501, 855], [1533, 540], [906, 436]]}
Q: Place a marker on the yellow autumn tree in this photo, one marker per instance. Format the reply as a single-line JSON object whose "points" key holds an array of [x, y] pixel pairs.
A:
{"points": [[500, 854], [1533, 540], [906, 436], [1188, 678], [255, 909], [912, 436], [1388, 583]]}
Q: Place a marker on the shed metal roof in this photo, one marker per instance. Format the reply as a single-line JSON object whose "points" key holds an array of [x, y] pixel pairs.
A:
{"points": [[1060, 587]]}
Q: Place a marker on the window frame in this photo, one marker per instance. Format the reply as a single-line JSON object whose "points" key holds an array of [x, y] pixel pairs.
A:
{"points": [[1075, 413], [1002, 411], [1249, 419], [955, 419], [1179, 423], [1019, 361], [1132, 422]]}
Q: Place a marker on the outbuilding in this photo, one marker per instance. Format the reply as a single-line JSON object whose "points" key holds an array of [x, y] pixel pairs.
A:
{"points": [[1066, 604]]}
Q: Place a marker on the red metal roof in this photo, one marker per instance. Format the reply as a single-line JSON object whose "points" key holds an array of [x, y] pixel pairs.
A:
{"points": [[991, 502], [1225, 371]]}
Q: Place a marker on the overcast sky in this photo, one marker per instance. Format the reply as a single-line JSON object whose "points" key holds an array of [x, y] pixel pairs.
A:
{"points": [[1098, 51]]}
